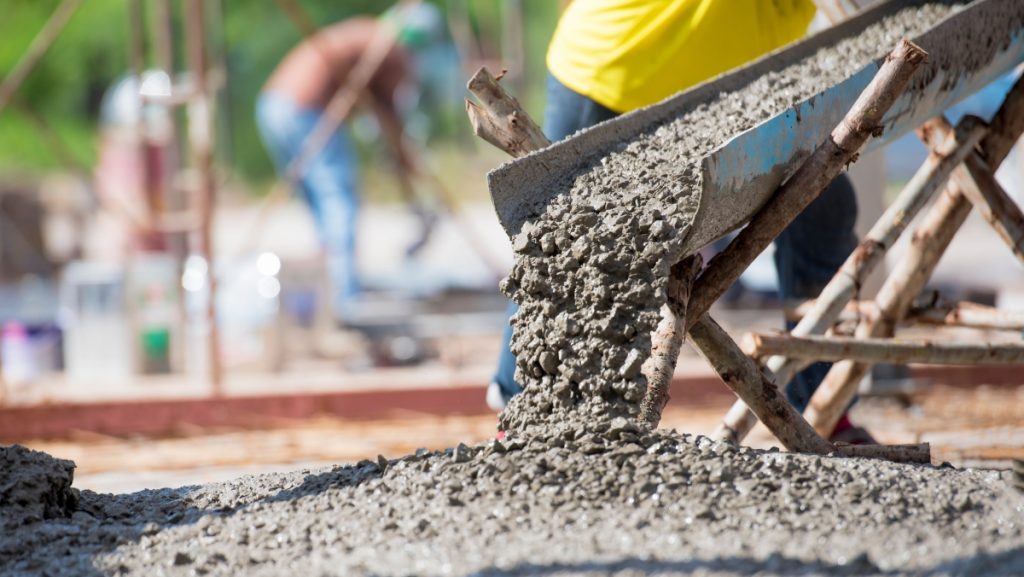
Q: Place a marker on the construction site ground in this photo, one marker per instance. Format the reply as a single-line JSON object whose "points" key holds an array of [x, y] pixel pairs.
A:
{"points": [[973, 425]]}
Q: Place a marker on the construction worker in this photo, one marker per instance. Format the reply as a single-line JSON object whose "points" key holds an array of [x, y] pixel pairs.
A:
{"points": [[608, 57], [294, 99]]}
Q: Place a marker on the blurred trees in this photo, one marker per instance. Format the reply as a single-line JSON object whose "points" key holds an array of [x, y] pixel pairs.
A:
{"points": [[92, 52]]}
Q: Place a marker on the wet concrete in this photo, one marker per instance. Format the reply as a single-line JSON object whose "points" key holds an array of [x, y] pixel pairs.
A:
{"points": [[592, 263], [617, 501], [578, 488], [34, 486]]}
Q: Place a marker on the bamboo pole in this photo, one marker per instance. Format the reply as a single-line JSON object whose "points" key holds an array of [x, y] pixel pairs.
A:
{"points": [[40, 44], [868, 255], [928, 244], [840, 149], [742, 375], [881, 350], [667, 340], [201, 139]]}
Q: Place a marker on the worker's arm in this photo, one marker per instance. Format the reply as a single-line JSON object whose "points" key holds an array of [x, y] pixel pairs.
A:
{"points": [[393, 133], [383, 89]]}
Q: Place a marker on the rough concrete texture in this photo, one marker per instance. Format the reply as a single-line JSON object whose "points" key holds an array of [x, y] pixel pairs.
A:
{"points": [[33, 486], [578, 488], [618, 500], [592, 266]]}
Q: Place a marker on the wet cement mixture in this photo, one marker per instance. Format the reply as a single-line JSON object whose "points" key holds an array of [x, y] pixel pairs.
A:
{"points": [[591, 268], [577, 487], [612, 501]]}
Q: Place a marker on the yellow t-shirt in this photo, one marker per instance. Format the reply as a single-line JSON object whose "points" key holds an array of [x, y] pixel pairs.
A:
{"points": [[625, 54]]}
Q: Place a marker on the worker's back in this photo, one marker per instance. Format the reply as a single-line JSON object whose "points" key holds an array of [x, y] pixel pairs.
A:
{"points": [[313, 70], [625, 54]]}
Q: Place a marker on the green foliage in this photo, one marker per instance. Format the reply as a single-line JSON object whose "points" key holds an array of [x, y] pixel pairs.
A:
{"points": [[68, 84]]}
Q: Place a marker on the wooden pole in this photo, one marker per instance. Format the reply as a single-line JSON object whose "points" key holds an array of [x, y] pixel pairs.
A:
{"points": [[978, 183], [994, 205], [667, 340], [928, 244], [742, 375], [818, 348], [201, 139], [40, 44], [828, 160], [956, 314], [500, 119], [868, 255], [920, 453]]}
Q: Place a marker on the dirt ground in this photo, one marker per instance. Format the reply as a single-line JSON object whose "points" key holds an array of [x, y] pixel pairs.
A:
{"points": [[978, 427]]}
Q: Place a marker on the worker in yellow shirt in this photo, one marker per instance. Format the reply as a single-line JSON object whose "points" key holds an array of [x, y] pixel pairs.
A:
{"points": [[608, 57]]}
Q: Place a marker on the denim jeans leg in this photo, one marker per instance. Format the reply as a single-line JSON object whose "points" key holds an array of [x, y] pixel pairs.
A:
{"points": [[807, 255], [565, 113], [330, 184]]}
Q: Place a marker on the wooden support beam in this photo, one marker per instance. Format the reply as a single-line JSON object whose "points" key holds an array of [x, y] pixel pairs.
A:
{"points": [[929, 243], [500, 119], [868, 255], [514, 133], [667, 340], [978, 183], [920, 453], [828, 160], [956, 314], [818, 348], [743, 376]]}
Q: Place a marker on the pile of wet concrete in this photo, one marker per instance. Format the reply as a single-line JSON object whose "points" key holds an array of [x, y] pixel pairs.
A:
{"points": [[592, 264], [617, 500], [577, 488]]}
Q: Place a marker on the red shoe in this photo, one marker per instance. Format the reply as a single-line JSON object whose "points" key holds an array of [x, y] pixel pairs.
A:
{"points": [[847, 432]]}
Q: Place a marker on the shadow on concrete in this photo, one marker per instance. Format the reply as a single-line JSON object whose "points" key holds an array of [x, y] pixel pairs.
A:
{"points": [[101, 523], [1006, 564]]}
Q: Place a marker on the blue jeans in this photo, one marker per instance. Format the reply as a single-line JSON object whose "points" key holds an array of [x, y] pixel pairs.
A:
{"points": [[807, 253], [328, 186]]}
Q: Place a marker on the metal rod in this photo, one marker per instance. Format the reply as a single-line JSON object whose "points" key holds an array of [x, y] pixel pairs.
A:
{"points": [[920, 453]]}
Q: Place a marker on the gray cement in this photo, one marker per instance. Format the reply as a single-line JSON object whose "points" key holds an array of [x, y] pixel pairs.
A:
{"points": [[34, 486], [592, 265], [616, 500], [578, 488]]}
